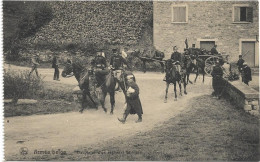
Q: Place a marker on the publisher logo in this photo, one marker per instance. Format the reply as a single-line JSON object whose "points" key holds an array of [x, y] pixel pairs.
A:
{"points": [[23, 150]]}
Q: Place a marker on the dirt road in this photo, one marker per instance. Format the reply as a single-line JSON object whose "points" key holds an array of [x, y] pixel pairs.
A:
{"points": [[69, 131]]}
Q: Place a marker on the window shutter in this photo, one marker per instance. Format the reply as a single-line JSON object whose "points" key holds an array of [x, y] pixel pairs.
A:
{"points": [[236, 14], [249, 14], [179, 14]]}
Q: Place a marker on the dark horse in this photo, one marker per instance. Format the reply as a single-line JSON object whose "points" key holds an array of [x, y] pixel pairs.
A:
{"points": [[107, 86], [82, 76], [192, 62], [174, 75]]}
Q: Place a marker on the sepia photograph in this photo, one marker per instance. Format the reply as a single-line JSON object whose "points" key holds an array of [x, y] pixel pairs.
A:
{"points": [[130, 80]]}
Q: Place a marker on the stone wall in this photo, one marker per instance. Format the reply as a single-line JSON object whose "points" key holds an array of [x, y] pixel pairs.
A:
{"points": [[112, 22], [243, 96], [206, 20]]}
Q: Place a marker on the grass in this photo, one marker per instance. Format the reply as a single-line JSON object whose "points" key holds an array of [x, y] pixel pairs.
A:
{"points": [[209, 129]]}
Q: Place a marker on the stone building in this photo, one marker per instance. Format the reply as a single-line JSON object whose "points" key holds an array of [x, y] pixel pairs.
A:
{"points": [[231, 25]]}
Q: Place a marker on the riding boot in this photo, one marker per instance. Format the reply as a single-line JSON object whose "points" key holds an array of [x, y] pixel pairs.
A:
{"points": [[122, 120], [139, 118]]}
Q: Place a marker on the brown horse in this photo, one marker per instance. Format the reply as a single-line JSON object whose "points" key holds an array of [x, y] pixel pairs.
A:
{"points": [[173, 75], [82, 76], [107, 84]]}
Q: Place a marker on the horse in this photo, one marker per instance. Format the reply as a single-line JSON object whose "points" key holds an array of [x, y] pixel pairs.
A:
{"points": [[194, 63], [174, 75], [107, 85], [82, 76]]}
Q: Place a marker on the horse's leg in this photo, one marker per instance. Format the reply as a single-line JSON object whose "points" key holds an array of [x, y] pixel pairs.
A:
{"points": [[167, 87], [197, 73], [112, 101], [184, 85], [179, 82], [188, 78], [91, 99], [84, 96], [175, 91], [203, 73], [103, 98]]}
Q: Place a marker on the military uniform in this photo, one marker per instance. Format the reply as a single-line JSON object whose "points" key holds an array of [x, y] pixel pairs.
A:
{"points": [[214, 51], [134, 105], [55, 65], [240, 64], [99, 66], [35, 63], [117, 62], [217, 74], [246, 77]]}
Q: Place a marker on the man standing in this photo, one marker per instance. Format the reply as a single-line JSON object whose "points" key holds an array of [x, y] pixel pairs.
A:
{"points": [[240, 63], [214, 50], [246, 73], [55, 65], [134, 105], [217, 74], [35, 64]]}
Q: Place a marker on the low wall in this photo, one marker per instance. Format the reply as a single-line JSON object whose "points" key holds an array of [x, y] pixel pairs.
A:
{"points": [[243, 96]]}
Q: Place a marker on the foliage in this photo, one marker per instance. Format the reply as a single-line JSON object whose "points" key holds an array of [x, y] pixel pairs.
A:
{"points": [[21, 20], [20, 85]]}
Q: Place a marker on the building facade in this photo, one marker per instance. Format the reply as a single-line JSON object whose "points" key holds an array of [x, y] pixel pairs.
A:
{"points": [[232, 25]]}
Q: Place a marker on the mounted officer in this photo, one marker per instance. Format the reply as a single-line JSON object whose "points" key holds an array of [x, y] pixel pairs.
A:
{"points": [[116, 64], [99, 67]]}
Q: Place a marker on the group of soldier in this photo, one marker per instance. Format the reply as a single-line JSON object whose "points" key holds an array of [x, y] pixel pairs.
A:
{"points": [[100, 68]]}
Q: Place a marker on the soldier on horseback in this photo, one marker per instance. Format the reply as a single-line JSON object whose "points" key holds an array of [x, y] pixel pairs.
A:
{"points": [[176, 58], [99, 66], [116, 64]]}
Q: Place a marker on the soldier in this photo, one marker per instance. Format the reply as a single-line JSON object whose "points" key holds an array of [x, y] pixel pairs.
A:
{"points": [[176, 56], [214, 50], [55, 65], [116, 64], [134, 105], [217, 74], [99, 65], [240, 63], [246, 71], [176, 60], [35, 64]]}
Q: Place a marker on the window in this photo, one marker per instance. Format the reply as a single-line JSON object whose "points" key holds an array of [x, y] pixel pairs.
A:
{"points": [[179, 13], [242, 13]]}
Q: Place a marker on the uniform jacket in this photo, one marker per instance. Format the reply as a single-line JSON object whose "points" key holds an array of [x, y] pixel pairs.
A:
{"points": [[133, 100], [35, 61], [117, 61], [217, 71], [100, 62], [247, 73], [240, 64], [214, 51], [54, 62], [176, 56]]}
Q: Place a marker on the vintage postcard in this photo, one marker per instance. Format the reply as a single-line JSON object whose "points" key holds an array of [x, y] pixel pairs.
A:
{"points": [[130, 80]]}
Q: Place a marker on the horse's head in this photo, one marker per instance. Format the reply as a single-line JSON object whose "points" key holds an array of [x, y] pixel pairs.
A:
{"points": [[67, 70], [168, 65]]}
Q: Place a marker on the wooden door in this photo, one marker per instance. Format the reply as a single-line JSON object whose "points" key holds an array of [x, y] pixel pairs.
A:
{"points": [[248, 52]]}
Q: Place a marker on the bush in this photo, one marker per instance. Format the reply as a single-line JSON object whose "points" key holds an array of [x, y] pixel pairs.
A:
{"points": [[20, 85]]}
